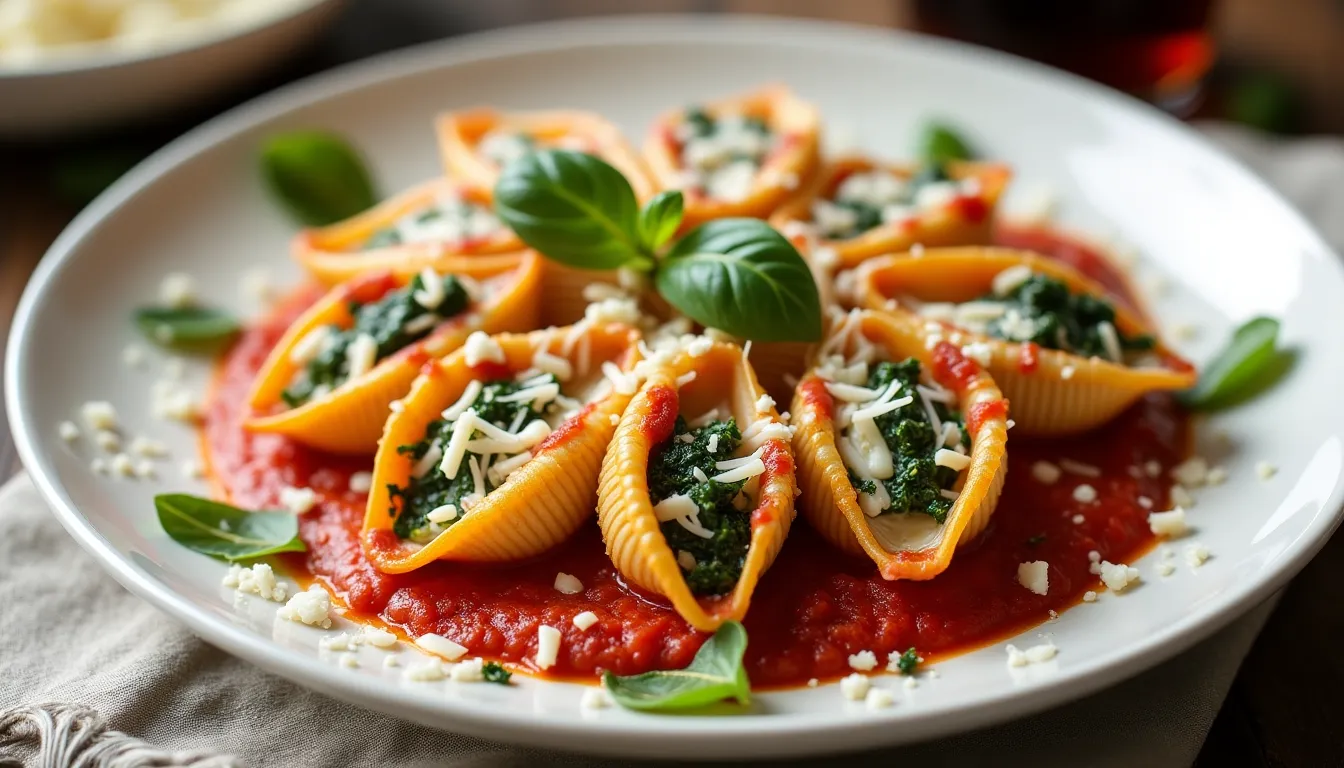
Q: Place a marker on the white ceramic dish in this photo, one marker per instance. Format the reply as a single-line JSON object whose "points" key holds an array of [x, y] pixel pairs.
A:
{"points": [[1227, 245], [103, 83]]}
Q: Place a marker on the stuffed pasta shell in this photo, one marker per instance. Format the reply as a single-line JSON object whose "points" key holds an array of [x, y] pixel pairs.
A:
{"points": [[476, 144], [425, 226], [494, 455], [900, 445], [860, 208], [330, 379], [697, 488], [736, 157], [1068, 356]]}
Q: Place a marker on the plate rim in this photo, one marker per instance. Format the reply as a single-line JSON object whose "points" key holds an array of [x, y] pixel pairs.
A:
{"points": [[717, 737]]}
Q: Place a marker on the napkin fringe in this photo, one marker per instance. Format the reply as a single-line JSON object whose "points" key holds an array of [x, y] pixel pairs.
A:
{"points": [[75, 736]]}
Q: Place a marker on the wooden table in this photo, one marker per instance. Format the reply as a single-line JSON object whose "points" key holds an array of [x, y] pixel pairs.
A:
{"points": [[1287, 705]]}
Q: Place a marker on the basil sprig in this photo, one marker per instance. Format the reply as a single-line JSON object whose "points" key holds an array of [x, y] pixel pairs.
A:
{"points": [[226, 532], [187, 328], [1249, 364], [737, 275], [716, 673], [317, 176]]}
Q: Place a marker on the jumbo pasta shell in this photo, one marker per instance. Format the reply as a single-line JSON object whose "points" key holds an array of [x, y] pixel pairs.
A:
{"points": [[350, 418], [911, 545], [540, 504], [461, 135], [1062, 393], [333, 254], [963, 220], [629, 526], [792, 163]]}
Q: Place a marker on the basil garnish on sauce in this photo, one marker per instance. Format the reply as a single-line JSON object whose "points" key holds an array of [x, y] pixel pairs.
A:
{"points": [[186, 328], [226, 532], [716, 673], [737, 275], [1249, 364], [317, 176]]}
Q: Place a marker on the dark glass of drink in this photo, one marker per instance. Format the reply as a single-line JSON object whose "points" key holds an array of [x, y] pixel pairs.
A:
{"points": [[1159, 50]]}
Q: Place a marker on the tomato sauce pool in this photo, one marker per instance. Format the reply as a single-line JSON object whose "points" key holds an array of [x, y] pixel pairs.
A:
{"points": [[813, 608]]}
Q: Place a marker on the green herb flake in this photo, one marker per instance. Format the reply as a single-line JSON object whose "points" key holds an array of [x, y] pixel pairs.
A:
{"points": [[190, 329], [908, 662], [716, 673], [1036, 540], [494, 672], [226, 532]]}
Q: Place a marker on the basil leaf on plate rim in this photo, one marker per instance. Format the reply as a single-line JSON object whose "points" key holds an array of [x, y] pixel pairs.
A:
{"points": [[737, 275], [941, 143], [186, 327], [716, 673], [317, 176], [226, 532], [1250, 363]]}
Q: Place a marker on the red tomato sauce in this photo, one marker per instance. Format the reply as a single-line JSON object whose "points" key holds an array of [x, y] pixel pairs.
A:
{"points": [[812, 609]]}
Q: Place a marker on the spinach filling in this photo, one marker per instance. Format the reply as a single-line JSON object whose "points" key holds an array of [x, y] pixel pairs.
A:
{"points": [[718, 560], [386, 321], [433, 489], [916, 483], [702, 125], [868, 213], [1043, 311]]}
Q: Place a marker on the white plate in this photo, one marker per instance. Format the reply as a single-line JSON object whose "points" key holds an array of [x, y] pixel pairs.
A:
{"points": [[104, 82], [1228, 246]]}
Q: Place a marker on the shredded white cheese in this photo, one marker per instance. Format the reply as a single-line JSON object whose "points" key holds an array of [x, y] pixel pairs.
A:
{"points": [[442, 646], [566, 584], [548, 646], [1035, 576]]}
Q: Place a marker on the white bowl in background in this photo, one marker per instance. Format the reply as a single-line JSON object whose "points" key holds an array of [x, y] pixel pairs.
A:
{"points": [[102, 83]]}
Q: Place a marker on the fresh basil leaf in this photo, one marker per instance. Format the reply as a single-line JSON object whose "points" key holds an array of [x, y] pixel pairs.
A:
{"points": [[716, 673], [659, 219], [317, 176], [940, 143], [573, 208], [1249, 364], [744, 278], [226, 532], [187, 328]]}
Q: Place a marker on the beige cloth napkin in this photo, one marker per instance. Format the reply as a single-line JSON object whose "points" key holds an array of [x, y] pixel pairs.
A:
{"points": [[72, 635]]}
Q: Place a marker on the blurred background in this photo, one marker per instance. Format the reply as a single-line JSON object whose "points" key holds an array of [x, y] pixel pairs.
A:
{"points": [[1274, 65], [1277, 65]]}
